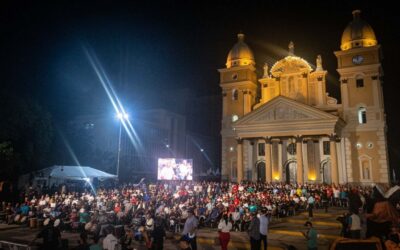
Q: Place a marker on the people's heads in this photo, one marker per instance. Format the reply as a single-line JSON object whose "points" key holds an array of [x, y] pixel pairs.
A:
{"points": [[308, 224], [110, 229], [95, 239], [184, 242], [83, 237], [263, 211], [394, 229]]}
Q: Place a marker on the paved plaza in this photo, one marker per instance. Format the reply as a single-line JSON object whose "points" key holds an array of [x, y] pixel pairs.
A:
{"points": [[285, 231]]}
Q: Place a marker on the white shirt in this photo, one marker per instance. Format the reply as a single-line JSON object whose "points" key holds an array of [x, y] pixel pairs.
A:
{"points": [[190, 225], [224, 227], [264, 222], [355, 222], [235, 216], [110, 242], [150, 224], [336, 193]]}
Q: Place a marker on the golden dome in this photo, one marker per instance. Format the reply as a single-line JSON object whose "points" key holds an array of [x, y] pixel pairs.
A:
{"points": [[240, 54], [358, 34]]}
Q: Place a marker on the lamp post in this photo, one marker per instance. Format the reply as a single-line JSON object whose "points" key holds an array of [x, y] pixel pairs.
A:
{"points": [[121, 117]]}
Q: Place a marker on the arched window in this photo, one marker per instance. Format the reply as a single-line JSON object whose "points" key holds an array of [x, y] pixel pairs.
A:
{"points": [[365, 163], [365, 170], [362, 115], [235, 95]]}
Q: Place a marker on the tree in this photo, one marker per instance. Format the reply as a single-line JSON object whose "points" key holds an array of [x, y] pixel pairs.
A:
{"points": [[26, 134]]}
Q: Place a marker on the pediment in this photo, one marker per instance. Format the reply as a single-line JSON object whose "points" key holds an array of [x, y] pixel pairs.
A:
{"points": [[283, 110]]}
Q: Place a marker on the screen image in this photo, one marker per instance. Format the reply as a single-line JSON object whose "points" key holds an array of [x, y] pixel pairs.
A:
{"points": [[175, 169]]}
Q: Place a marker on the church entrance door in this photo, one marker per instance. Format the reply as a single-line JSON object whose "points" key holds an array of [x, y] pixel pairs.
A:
{"points": [[291, 171], [261, 171], [325, 172]]}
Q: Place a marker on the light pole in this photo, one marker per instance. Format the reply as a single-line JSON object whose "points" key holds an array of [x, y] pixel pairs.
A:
{"points": [[121, 117]]}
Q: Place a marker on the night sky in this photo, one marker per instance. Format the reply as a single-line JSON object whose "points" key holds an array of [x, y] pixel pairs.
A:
{"points": [[148, 48]]}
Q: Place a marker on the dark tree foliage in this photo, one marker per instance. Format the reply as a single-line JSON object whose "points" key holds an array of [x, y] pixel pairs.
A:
{"points": [[26, 134]]}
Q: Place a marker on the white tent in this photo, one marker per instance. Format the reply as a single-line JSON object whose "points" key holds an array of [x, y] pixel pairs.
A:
{"points": [[79, 173]]}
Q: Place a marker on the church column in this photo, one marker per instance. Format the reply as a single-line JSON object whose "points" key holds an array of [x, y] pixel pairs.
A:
{"points": [[268, 160], [280, 162], [224, 105], [299, 158], [239, 160], [376, 94], [334, 163], [345, 94], [247, 101]]}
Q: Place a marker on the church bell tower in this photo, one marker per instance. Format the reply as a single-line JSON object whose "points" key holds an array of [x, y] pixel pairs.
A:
{"points": [[238, 82], [360, 69]]}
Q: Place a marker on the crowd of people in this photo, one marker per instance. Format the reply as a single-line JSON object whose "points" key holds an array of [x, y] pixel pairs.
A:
{"points": [[116, 218]]}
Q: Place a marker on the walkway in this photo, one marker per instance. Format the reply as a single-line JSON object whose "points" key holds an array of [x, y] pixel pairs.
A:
{"points": [[284, 231]]}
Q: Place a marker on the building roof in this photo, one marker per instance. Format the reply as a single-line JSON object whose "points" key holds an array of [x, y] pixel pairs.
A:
{"points": [[240, 54], [358, 34], [78, 173]]}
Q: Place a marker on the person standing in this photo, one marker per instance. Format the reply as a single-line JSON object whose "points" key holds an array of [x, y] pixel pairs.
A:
{"points": [[310, 206], [224, 228], [254, 232], [83, 244], [355, 226], [189, 229], [325, 201], [264, 222], [311, 236], [110, 242], [158, 234], [51, 236]]}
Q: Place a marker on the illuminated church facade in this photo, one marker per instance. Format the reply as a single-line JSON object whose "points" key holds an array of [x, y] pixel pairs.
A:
{"points": [[295, 132]]}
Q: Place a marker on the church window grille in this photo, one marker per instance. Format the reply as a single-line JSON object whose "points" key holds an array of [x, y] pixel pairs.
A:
{"points": [[360, 83], [291, 148], [326, 147], [261, 149], [362, 115]]}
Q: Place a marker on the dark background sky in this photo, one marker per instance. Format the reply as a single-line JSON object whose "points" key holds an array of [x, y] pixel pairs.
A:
{"points": [[149, 47]]}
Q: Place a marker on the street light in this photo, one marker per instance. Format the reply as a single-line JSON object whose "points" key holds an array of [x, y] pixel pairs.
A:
{"points": [[121, 117]]}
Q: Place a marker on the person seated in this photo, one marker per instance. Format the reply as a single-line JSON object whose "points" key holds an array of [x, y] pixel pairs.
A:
{"points": [[184, 243], [82, 243], [393, 241], [110, 242]]}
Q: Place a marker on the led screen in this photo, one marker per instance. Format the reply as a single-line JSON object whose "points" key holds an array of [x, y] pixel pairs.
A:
{"points": [[175, 169]]}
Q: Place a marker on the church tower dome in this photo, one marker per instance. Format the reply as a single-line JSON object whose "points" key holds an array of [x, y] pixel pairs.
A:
{"points": [[358, 34], [240, 54]]}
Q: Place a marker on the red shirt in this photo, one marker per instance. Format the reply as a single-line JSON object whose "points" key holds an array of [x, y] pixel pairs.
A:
{"points": [[234, 189]]}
